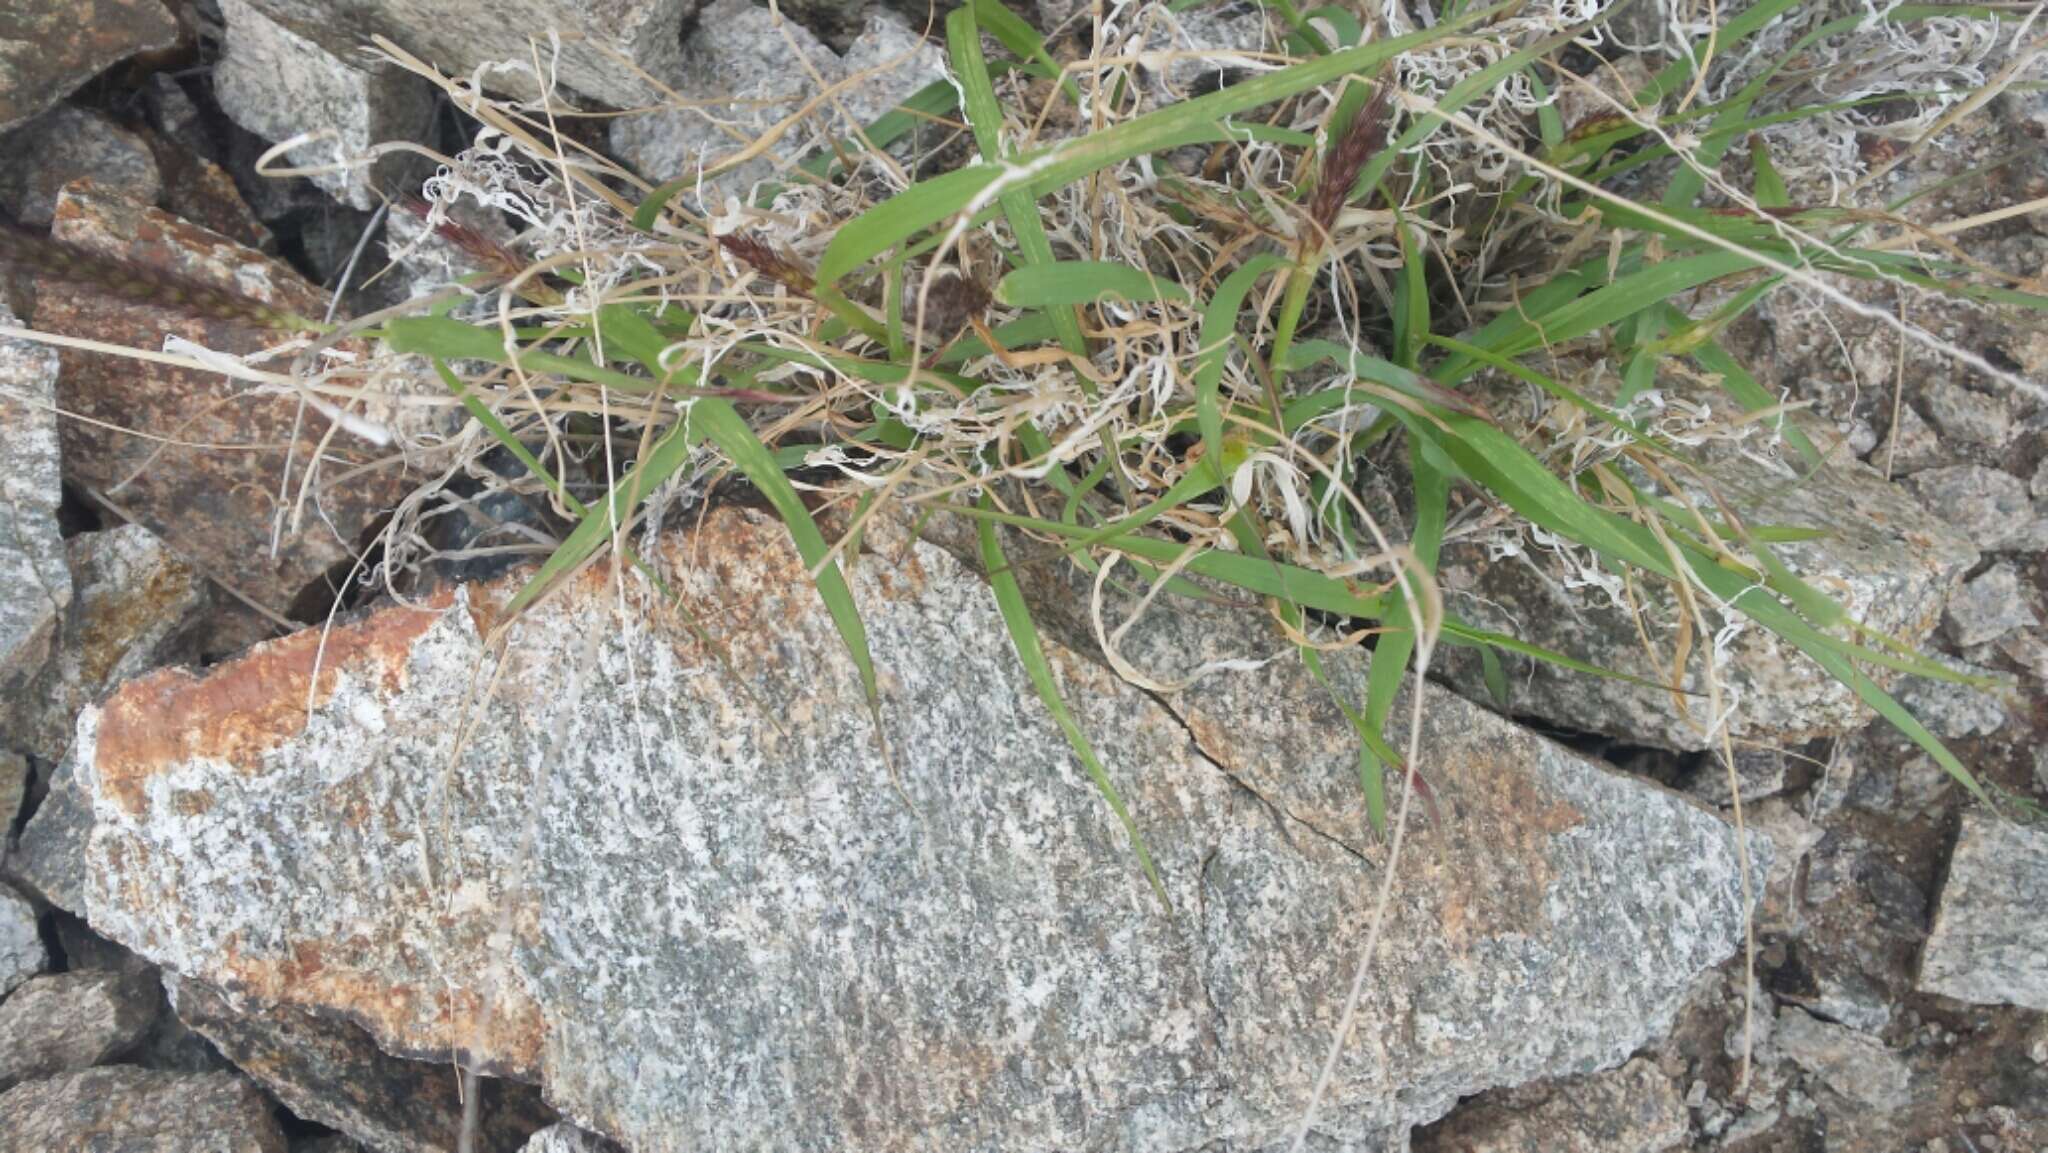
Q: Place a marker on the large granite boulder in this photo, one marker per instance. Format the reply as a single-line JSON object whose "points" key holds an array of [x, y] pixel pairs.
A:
{"points": [[678, 884]]}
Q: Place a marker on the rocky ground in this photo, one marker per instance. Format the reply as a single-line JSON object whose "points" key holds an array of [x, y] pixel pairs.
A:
{"points": [[271, 898]]}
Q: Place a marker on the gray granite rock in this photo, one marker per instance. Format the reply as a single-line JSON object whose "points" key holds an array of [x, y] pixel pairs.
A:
{"points": [[48, 48], [1912, 448], [330, 1071], [563, 1137], [134, 607], [1633, 1109], [279, 84], [1988, 606], [740, 57], [1759, 773], [1990, 508], [123, 1109], [35, 586], [21, 942], [1890, 562], [1989, 944], [1854, 1064], [50, 858], [695, 925], [66, 144], [73, 1020], [1979, 420], [470, 38], [741, 71], [1951, 709]]}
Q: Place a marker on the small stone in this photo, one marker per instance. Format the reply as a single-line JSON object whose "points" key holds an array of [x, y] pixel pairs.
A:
{"points": [[72, 1021], [134, 607], [1980, 420], [1759, 773], [1989, 943], [1987, 506], [2039, 485], [35, 587], [67, 144], [202, 503], [50, 859], [563, 1137], [1988, 606], [2041, 769], [21, 942], [14, 778], [1951, 709], [330, 1071], [740, 58], [1833, 989], [50, 47], [901, 61], [1633, 1109], [280, 85], [1792, 837], [1911, 448], [1856, 1065], [494, 41], [124, 1109]]}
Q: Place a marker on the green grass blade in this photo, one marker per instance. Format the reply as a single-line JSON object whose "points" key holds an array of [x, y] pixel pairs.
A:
{"points": [[1024, 636], [1195, 121], [1071, 282]]}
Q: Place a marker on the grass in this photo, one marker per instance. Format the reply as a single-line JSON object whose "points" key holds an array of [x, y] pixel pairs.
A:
{"points": [[1101, 316], [1074, 339]]}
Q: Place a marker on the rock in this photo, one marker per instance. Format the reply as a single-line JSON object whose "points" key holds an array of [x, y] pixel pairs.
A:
{"points": [[50, 860], [134, 607], [1759, 772], [1989, 606], [471, 39], [279, 85], [67, 144], [1950, 709], [1633, 1109], [1831, 988], [1989, 507], [740, 70], [694, 925], [50, 47], [203, 503], [1792, 836], [1913, 448], [1856, 1065], [14, 779], [73, 1020], [1214, 44], [738, 56], [898, 59], [21, 942], [35, 589], [1984, 422], [1885, 559], [128, 1110], [563, 1137], [2041, 769], [1989, 943], [330, 1071], [2038, 486]]}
